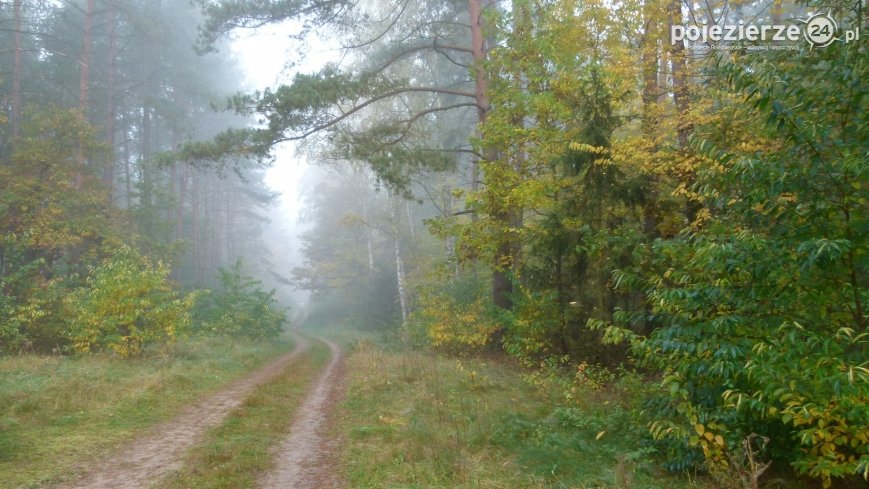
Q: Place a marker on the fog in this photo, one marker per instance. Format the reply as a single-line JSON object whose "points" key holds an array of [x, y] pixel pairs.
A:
{"points": [[268, 57], [565, 202]]}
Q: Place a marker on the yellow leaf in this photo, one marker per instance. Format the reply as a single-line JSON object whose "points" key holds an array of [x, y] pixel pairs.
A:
{"points": [[600, 435]]}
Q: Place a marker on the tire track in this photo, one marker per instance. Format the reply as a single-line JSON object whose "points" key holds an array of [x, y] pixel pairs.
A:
{"points": [[148, 459], [306, 458]]}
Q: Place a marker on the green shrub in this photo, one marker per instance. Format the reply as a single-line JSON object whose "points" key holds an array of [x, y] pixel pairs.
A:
{"points": [[453, 316], [31, 306], [763, 309], [127, 304], [240, 307]]}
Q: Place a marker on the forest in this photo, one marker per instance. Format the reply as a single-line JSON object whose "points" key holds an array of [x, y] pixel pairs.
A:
{"points": [[536, 243]]}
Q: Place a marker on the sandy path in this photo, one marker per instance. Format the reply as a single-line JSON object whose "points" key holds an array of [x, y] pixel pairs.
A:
{"points": [[306, 458], [162, 450]]}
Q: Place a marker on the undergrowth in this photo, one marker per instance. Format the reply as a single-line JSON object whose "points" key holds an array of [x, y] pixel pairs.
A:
{"points": [[420, 420]]}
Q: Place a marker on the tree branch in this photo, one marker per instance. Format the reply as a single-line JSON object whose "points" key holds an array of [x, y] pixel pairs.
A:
{"points": [[384, 96]]}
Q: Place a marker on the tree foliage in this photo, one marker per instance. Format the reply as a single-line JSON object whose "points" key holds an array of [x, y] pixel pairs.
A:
{"points": [[638, 201], [239, 307], [127, 305], [97, 92], [764, 310]]}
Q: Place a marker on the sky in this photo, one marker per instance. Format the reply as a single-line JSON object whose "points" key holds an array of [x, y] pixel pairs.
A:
{"points": [[264, 54]]}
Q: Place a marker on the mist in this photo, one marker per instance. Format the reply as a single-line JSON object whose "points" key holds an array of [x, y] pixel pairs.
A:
{"points": [[331, 243]]}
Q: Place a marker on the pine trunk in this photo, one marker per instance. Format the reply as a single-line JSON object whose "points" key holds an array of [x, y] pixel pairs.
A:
{"points": [[111, 85], [194, 229], [83, 85], [502, 287], [17, 74], [680, 96], [680, 75]]}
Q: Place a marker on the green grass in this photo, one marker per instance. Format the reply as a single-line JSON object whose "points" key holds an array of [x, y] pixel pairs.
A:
{"points": [[345, 335], [236, 453], [417, 420], [57, 413]]}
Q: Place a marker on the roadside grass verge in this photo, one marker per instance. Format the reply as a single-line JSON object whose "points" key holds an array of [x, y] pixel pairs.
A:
{"points": [[418, 420], [58, 413], [235, 454]]}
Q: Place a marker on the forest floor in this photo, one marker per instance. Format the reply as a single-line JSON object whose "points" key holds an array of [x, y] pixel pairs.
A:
{"points": [[416, 419]]}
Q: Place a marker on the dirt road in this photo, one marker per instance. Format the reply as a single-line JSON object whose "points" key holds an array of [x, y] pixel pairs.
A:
{"points": [[306, 458], [161, 451]]}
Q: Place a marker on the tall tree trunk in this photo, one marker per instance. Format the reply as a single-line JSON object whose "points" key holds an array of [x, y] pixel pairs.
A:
{"points": [[399, 265], [368, 241], [502, 287], [182, 197], [649, 60], [229, 233], [410, 219], [173, 181], [684, 126], [111, 86], [194, 229], [83, 86], [680, 75], [450, 245], [209, 240], [128, 177], [481, 86], [17, 74], [522, 26], [144, 166], [651, 110]]}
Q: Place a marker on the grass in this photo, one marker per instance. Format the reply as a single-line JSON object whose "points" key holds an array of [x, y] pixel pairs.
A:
{"points": [[346, 335], [57, 413], [236, 453], [419, 420]]}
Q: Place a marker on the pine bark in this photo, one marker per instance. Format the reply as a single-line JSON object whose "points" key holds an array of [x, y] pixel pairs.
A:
{"points": [[83, 86], [502, 287], [17, 73], [182, 198], [194, 229], [111, 97]]}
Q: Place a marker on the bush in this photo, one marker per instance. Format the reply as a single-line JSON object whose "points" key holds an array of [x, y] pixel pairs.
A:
{"points": [[31, 305], [454, 317], [764, 331], [128, 303], [240, 307]]}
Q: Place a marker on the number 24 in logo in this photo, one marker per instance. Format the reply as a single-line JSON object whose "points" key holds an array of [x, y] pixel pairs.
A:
{"points": [[820, 30]]}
